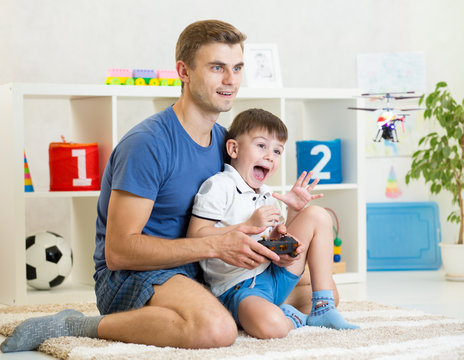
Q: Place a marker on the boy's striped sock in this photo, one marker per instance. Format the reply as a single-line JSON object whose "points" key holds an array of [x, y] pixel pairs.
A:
{"points": [[298, 318], [324, 313]]}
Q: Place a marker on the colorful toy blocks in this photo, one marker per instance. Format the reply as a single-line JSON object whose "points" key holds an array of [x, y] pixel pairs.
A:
{"points": [[142, 77], [119, 77]]}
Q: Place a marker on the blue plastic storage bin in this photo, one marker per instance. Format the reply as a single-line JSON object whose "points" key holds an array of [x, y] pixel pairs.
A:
{"points": [[403, 236]]}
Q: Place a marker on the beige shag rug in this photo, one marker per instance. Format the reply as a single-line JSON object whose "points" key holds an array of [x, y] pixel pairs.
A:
{"points": [[386, 333]]}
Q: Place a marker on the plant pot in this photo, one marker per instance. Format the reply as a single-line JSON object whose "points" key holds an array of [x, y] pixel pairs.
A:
{"points": [[452, 256]]}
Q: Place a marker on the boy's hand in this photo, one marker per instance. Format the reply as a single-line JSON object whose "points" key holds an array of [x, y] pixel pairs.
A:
{"points": [[278, 232], [286, 260], [264, 216], [300, 194]]}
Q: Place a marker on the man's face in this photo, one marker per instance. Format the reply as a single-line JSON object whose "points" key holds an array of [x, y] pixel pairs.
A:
{"points": [[216, 76]]}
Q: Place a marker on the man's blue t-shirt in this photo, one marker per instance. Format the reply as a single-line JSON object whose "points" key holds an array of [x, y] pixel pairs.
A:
{"points": [[158, 160]]}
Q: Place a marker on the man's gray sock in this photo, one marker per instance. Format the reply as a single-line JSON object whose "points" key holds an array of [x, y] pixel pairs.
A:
{"points": [[31, 333], [84, 326]]}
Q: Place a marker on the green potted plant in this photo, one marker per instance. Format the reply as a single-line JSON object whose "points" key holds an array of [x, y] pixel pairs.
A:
{"points": [[440, 161]]}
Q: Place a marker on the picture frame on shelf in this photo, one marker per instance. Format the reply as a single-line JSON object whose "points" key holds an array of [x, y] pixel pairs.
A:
{"points": [[262, 67]]}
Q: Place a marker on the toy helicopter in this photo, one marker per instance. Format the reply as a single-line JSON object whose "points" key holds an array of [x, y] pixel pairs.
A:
{"points": [[386, 122]]}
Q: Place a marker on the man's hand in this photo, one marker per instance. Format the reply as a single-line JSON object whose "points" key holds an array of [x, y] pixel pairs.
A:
{"points": [[238, 249], [300, 194], [286, 260]]}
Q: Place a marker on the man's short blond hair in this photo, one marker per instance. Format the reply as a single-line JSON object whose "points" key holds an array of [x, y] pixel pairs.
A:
{"points": [[205, 32]]}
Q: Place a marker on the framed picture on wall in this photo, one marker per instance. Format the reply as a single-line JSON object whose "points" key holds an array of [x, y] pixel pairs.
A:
{"points": [[262, 68]]}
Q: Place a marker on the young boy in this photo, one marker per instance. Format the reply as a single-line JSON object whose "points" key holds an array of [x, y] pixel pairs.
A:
{"points": [[236, 199]]}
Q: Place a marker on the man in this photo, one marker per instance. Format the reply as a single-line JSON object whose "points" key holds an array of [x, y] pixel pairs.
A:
{"points": [[145, 281], [187, 147]]}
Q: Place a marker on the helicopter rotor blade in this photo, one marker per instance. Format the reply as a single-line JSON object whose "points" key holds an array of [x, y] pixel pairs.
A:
{"points": [[405, 97], [412, 109], [371, 97], [388, 93], [365, 109]]}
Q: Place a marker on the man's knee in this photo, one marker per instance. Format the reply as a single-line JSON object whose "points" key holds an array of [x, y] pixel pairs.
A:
{"points": [[204, 321], [213, 330]]}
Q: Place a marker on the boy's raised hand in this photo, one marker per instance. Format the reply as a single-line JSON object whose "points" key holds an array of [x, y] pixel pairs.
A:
{"points": [[300, 194]]}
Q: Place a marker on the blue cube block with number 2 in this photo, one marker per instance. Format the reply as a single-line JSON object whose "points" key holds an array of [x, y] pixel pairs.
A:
{"points": [[322, 157]]}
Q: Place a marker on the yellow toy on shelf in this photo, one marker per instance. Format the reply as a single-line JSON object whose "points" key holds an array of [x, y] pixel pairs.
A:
{"points": [[142, 77], [339, 266]]}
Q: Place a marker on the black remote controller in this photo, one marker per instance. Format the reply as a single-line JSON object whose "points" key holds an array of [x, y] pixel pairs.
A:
{"points": [[284, 245]]}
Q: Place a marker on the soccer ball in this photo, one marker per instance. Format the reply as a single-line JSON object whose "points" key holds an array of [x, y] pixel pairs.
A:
{"points": [[48, 260]]}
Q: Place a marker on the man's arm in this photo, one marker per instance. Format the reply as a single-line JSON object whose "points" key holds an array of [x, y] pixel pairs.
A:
{"points": [[262, 218], [126, 248], [202, 227]]}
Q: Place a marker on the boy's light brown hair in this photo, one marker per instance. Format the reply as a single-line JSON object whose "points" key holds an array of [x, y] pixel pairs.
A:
{"points": [[251, 119], [205, 32]]}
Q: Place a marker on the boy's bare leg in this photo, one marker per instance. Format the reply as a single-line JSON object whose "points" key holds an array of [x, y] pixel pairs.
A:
{"points": [[299, 296], [182, 313], [262, 319], [313, 227]]}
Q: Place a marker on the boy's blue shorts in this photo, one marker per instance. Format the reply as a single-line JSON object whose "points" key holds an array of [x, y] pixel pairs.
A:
{"points": [[125, 290], [274, 285]]}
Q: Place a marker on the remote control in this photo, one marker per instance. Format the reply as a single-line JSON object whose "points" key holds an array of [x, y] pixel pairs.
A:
{"points": [[284, 245]]}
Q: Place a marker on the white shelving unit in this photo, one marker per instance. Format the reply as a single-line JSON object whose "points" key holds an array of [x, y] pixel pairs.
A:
{"points": [[33, 115]]}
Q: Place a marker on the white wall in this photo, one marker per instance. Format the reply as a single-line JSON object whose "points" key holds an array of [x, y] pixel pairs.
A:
{"points": [[75, 41]]}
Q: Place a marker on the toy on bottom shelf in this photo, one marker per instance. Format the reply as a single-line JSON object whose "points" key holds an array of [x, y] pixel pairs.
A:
{"points": [[142, 77], [48, 260], [338, 266], [284, 245]]}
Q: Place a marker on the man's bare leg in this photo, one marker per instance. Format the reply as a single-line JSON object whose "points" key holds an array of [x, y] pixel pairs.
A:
{"points": [[182, 313]]}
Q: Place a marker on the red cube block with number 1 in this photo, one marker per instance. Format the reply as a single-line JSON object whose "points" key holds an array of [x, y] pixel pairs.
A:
{"points": [[73, 167]]}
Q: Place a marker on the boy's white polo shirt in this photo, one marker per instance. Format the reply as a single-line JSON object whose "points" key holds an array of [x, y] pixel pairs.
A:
{"points": [[226, 198]]}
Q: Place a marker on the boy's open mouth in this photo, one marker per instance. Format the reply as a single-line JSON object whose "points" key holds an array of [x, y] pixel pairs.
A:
{"points": [[260, 172]]}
